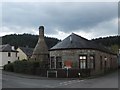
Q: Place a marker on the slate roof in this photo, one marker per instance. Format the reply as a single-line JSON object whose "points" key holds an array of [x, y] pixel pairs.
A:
{"points": [[6, 48], [74, 41], [28, 51]]}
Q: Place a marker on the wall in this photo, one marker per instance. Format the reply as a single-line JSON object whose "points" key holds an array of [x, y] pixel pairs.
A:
{"points": [[21, 54], [5, 58], [0, 60], [111, 62], [73, 55]]}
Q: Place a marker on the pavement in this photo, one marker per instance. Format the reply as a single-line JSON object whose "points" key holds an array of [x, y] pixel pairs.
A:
{"points": [[13, 80]]}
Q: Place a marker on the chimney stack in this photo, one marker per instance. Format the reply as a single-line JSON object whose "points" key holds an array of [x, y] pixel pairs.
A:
{"points": [[41, 31], [40, 51], [12, 47]]}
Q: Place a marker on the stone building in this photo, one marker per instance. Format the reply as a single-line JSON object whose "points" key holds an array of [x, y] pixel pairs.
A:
{"points": [[40, 52], [78, 53]]}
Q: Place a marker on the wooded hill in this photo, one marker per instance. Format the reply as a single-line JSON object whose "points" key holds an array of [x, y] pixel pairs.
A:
{"points": [[112, 42], [28, 40], [23, 40], [108, 41]]}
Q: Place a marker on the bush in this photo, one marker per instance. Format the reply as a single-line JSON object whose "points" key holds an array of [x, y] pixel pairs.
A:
{"points": [[24, 66], [9, 67], [27, 67]]}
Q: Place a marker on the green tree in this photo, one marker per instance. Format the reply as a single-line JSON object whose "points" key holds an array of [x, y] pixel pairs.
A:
{"points": [[115, 48]]}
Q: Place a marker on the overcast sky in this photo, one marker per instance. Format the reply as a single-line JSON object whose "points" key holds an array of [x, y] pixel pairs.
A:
{"points": [[88, 19]]}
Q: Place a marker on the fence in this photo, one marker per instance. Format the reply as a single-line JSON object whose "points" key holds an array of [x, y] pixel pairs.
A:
{"points": [[70, 73]]}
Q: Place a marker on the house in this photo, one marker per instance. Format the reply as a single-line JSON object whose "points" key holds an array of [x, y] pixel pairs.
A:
{"points": [[8, 54], [80, 56], [24, 53]]}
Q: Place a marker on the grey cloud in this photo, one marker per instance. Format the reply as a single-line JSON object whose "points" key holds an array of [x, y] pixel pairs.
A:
{"points": [[65, 17]]}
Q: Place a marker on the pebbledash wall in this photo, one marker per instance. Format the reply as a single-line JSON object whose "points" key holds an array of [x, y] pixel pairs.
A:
{"points": [[21, 55], [7, 59], [8, 55], [102, 61]]}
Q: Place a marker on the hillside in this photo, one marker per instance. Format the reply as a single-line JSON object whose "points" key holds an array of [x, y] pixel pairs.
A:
{"points": [[29, 40], [112, 42], [108, 41]]}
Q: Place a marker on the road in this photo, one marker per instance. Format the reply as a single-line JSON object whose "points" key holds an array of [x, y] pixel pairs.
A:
{"points": [[12, 80], [0, 79]]}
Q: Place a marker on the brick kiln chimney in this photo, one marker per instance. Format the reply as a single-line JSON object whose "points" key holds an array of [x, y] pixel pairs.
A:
{"points": [[40, 52]]}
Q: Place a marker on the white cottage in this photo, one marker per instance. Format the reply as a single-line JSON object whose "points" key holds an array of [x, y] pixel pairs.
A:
{"points": [[7, 55], [24, 53]]}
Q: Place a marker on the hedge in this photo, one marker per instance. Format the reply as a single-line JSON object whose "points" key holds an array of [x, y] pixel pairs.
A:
{"points": [[39, 68], [24, 66], [9, 67]]}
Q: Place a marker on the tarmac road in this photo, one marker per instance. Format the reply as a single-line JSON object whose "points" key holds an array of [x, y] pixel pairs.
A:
{"points": [[13, 80]]}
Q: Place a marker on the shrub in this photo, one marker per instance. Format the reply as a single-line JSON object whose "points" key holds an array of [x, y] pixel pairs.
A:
{"points": [[27, 67], [9, 67]]}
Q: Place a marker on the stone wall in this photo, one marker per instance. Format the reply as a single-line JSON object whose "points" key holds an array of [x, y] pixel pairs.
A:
{"points": [[73, 55]]}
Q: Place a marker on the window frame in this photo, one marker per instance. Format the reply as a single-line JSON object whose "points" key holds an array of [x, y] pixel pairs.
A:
{"points": [[9, 61], [59, 60], [92, 62], [101, 62], [83, 61], [16, 54], [52, 62], [9, 54]]}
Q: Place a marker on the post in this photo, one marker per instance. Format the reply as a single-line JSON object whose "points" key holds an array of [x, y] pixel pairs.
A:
{"points": [[56, 74], [67, 72], [47, 74], [79, 75]]}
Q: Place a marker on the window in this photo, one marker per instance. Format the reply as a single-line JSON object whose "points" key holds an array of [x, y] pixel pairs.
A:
{"points": [[18, 58], [9, 54], [16, 54], [110, 62], [58, 62], [105, 62], [52, 61], [83, 62], [9, 62], [101, 66], [92, 62]]}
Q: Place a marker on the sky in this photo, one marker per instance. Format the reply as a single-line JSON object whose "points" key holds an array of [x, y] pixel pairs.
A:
{"points": [[60, 19]]}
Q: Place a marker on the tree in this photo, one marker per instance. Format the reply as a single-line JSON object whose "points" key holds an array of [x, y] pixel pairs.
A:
{"points": [[29, 40], [115, 48]]}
